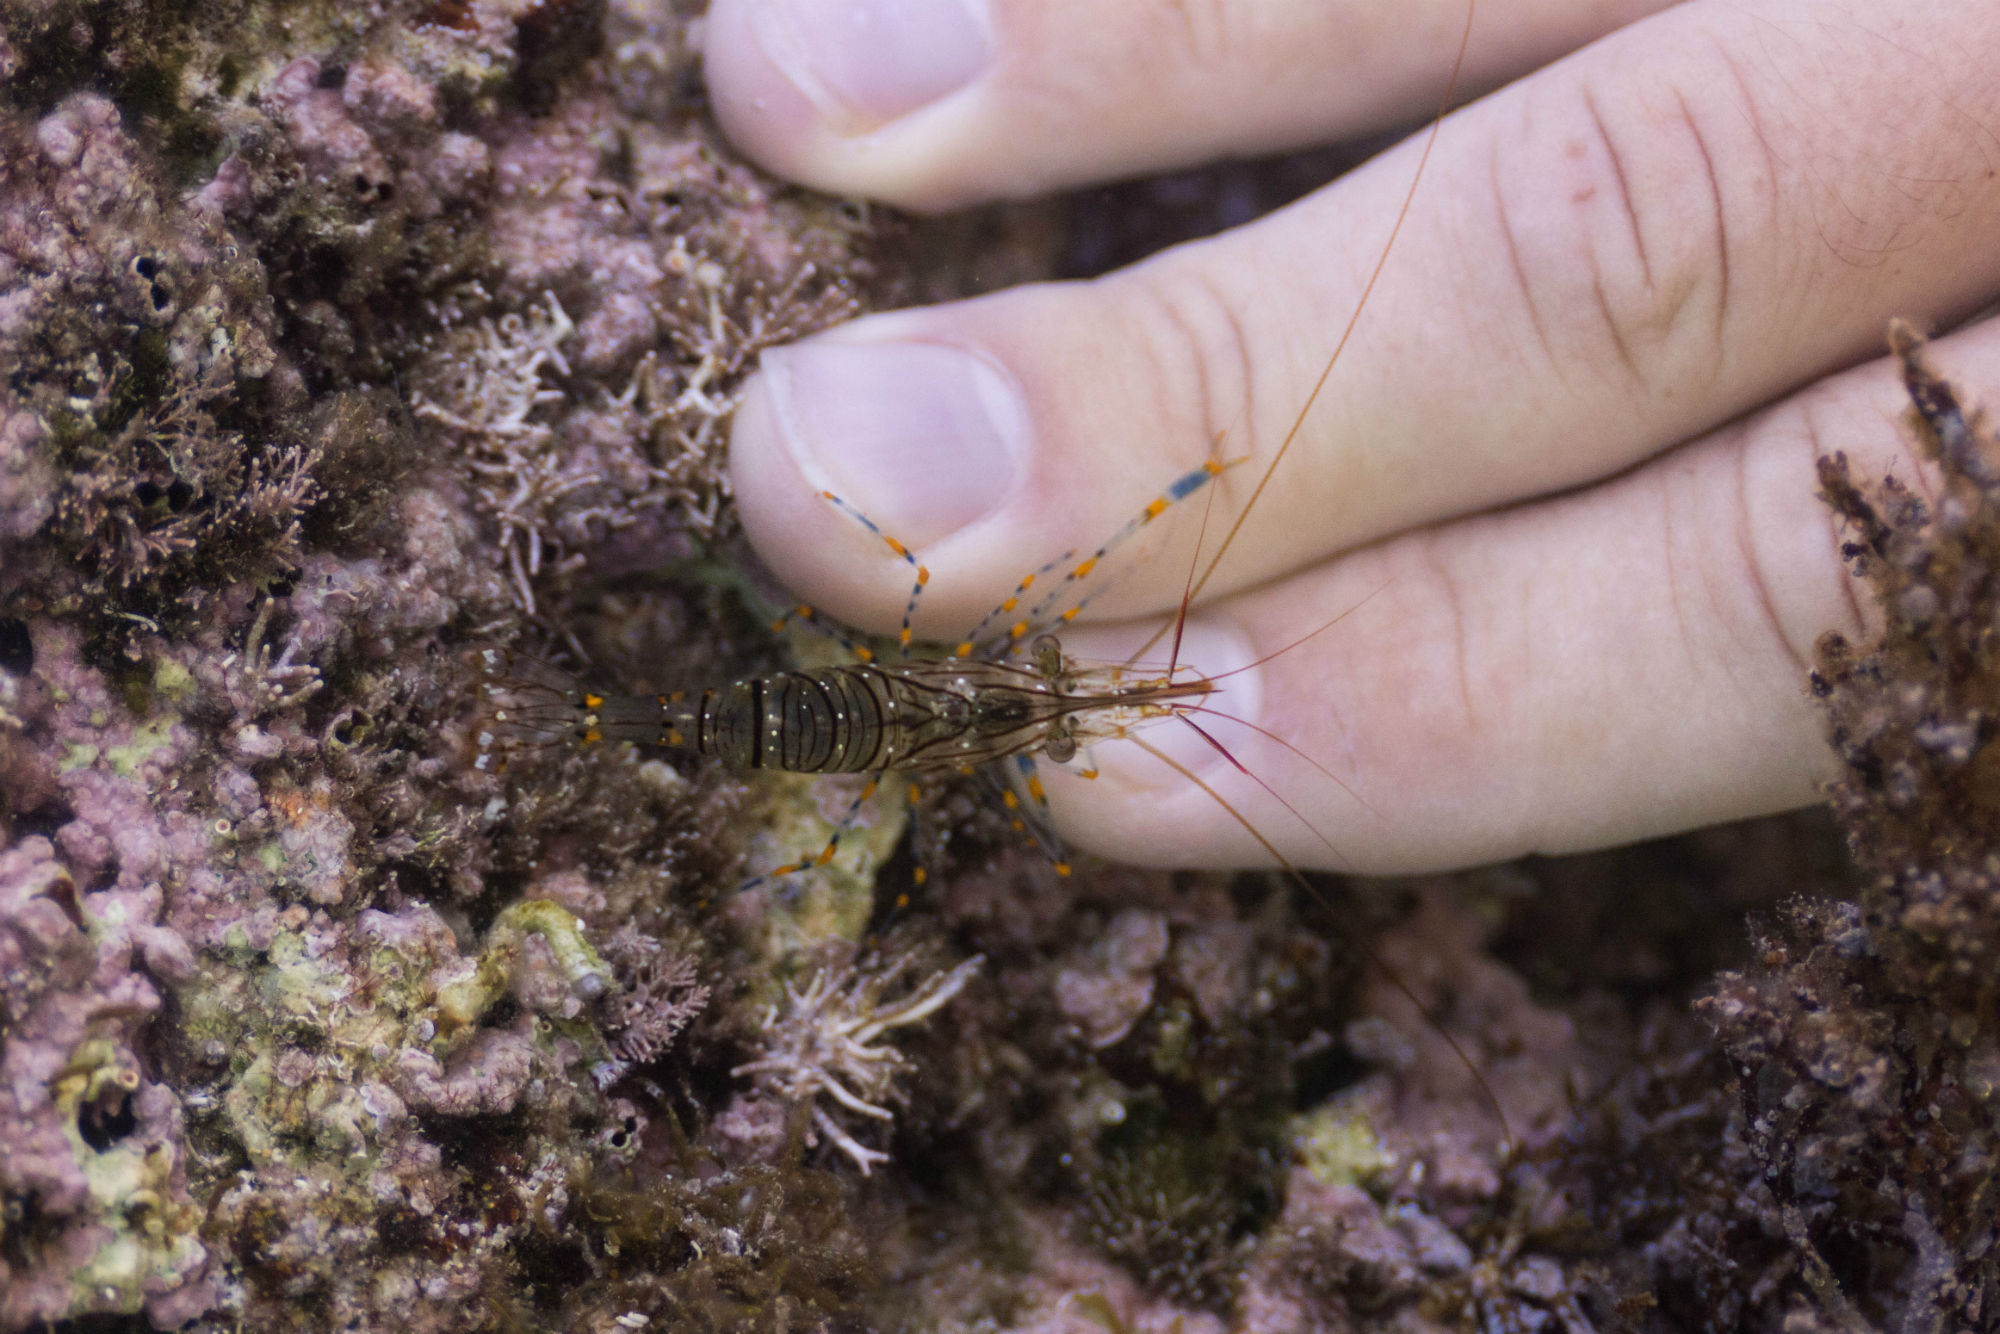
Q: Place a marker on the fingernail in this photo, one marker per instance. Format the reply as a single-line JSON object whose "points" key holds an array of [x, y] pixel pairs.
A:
{"points": [[1209, 650], [921, 437], [864, 63]]}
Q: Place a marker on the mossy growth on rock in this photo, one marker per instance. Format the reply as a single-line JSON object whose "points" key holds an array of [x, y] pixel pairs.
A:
{"points": [[340, 342], [1867, 1039]]}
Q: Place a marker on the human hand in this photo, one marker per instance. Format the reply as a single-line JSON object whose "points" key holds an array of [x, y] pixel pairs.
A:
{"points": [[1562, 479]]}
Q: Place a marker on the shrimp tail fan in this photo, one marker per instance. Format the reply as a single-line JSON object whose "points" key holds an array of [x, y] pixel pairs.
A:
{"points": [[526, 707]]}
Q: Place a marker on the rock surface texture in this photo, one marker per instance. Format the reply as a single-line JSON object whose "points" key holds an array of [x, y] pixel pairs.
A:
{"points": [[340, 343]]}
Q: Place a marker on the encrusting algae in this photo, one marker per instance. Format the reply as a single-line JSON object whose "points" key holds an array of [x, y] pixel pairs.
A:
{"points": [[342, 344]]}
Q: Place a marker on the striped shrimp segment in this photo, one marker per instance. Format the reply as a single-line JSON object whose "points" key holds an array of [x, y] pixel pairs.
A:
{"points": [[1003, 695], [924, 716], [1111, 691]]}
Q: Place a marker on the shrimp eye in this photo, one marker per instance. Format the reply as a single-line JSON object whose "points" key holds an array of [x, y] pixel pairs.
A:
{"points": [[1048, 655], [1060, 747]]}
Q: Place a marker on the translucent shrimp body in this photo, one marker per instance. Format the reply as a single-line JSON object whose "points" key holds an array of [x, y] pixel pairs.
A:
{"points": [[919, 716]]}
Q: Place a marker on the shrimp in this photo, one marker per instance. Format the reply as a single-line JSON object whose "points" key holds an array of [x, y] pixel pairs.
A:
{"points": [[923, 716], [984, 704]]}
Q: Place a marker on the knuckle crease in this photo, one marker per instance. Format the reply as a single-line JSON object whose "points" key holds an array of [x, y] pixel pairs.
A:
{"points": [[1614, 329], [1529, 302], [1454, 608], [1617, 160], [1714, 179], [1206, 35], [1813, 438], [1213, 402], [1753, 561], [1755, 123], [1672, 567], [1664, 310]]}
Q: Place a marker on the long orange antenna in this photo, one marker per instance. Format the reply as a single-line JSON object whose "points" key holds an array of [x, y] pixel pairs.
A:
{"points": [[1311, 634], [1346, 335], [1354, 320], [1257, 778], [1187, 588]]}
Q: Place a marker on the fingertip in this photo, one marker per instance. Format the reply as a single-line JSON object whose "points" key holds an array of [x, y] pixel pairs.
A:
{"points": [[848, 95], [761, 475], [773, 502], [759, 108], [920, 440], [930, 104], [820, 557], [996, 435]]}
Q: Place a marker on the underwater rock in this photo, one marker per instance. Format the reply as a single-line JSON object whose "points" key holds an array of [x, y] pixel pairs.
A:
{"points": [[289, 1038], [341, 343], [93, 1157]]}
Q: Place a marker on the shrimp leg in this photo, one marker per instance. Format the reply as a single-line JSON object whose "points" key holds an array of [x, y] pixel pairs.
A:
{"points": [[825, 854], [922, 575]]}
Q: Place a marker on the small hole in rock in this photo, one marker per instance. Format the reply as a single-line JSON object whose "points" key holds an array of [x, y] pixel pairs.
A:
{"points": [[17, 647], [179, 496], [145, 266], [351, 726], [46, 819], [104, 1124]]}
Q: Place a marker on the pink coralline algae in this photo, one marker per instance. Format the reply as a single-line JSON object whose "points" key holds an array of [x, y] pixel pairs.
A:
{"points": [[588, 388], [88, 1130], [290, 1038], [92, 1152], [342, 344], [1106, 999]]}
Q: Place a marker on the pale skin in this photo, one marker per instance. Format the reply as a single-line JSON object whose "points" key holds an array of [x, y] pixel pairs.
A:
{"points": [[1560, 482]]}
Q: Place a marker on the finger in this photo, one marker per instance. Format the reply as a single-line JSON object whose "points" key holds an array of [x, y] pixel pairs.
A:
{"points": [[1686, 220], [932, 104], [1619, 663]]}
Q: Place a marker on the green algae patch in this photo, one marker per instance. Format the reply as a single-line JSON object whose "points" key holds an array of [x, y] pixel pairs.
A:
{"points": [[150, 1238], [1339, 1146], [460, 1003], [147, 738], [125, 760], [834, 899], [173, 682]]}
